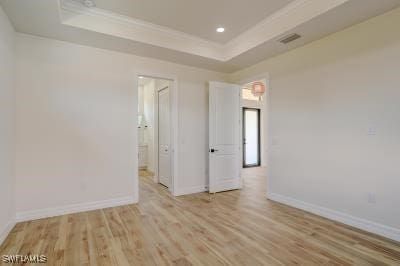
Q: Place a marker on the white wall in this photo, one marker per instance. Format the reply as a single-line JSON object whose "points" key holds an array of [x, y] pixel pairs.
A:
{"points": [[7, 126], [324, 97], [76, 124]]}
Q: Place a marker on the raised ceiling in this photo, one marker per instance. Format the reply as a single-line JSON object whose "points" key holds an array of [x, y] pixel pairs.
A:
{"points": [[145, 35], [199, 18]]}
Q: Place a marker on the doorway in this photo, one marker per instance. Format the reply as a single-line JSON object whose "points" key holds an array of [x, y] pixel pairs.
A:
{"points": [[231, 160], [251, 137], [155, 132], [254, 135]]}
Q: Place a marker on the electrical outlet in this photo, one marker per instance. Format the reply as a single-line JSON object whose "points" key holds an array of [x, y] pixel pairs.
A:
{"points": [[371, 131]]}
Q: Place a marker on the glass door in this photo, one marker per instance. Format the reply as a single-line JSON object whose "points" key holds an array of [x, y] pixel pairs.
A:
{"points": [[251, 137]]}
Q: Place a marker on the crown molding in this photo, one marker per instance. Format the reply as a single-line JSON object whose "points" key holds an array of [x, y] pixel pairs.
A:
{"points": [[99, 20], [74, 14]]}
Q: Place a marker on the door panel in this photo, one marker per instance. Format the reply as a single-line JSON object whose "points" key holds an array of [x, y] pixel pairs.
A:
{"points": [[225, 102], [164, 158], [224, 144]]}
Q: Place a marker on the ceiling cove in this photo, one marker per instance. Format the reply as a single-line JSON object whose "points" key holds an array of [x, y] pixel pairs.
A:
{"points": [[297, 12]]}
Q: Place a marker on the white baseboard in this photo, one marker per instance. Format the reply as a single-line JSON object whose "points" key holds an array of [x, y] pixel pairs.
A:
{"points": [[6, 230], [73, 208], [369, 226], [190, 190]]}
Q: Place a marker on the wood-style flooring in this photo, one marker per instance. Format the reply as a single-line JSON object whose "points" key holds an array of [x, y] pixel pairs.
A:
{"points": [[230, 228]]}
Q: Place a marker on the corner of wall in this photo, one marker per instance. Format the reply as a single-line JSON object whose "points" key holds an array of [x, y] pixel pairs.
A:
{"points": [[7, 119], [7, 230]]}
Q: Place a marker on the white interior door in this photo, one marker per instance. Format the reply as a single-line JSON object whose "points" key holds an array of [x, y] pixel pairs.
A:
{"points": [[224, 138], [164, 154]]}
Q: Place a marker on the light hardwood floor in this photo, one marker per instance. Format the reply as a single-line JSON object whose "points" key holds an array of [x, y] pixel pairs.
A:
{"points": [[230, 228]]}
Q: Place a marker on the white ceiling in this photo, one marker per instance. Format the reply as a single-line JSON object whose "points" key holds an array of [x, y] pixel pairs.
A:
{"points": [[192, 45], [198, 17]]}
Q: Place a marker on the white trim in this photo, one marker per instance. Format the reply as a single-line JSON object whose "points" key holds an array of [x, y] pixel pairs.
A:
{"points": [[174, 119], [135, 148], [73, 208], [271, 28], [75, 6], [366, 225], [6, 230], [74, 14], [190, 190]]}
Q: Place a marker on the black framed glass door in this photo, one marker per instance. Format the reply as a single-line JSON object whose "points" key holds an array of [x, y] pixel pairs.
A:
{"points": [[251, 137]]}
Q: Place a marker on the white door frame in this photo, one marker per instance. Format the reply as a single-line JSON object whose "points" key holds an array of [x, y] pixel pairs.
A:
{"points": [[265, 124], [174, 130]]}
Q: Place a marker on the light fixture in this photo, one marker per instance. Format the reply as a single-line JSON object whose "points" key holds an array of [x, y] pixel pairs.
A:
{"points": [[88, 3], [140, 77], [220, 29], [258, 88]]}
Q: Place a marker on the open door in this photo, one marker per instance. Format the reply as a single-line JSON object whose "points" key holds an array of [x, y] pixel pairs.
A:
{"points": [[224, 139], [164, 154]]}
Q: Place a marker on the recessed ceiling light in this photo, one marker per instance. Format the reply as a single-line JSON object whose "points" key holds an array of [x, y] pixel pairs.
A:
{"points": [[220, 29], [140, 77]]}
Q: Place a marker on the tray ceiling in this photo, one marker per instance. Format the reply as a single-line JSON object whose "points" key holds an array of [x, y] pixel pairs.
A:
{"points": [[198, 18], [153, 30]]}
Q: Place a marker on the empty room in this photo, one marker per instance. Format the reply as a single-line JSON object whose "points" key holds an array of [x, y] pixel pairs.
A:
{"points": [[214, 132]]}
